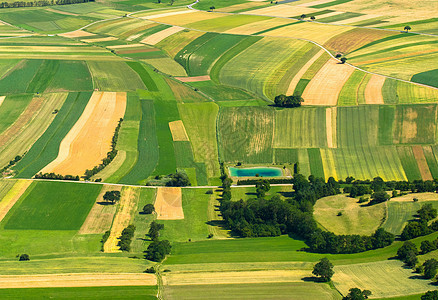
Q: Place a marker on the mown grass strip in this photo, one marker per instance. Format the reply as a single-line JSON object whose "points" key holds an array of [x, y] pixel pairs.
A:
{"points": [[316, 168], [274, 28], [386, 121], [340, 17], [409, 163]]}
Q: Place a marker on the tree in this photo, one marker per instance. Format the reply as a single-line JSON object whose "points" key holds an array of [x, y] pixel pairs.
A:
{"points": [[154, 230], [427, 246], [324, 269], [403, 251], [430, 295], [411, 259], [212, 8], [158, 250], [427, 212], [178, 179], [112, 196], [302, 16], [343, 60], [407, 28], [296, 168], [357, 294], [430, 268], [24, 257], [379, 197], [288, 101], [262, 186], [312, 18], [148, 209]]}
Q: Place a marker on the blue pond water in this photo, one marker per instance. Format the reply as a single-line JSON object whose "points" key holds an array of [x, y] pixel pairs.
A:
{"points": [[251, 172]]}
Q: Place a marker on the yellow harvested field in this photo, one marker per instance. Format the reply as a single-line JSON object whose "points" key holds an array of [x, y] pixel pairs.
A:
{"points": [[331, 121], [411, 54], [357, 19], [105, 39], [194, 79], [126, 208], [429, 196], [297, 77], [319, 33], [259, 26], [169, 14], [101, 215], [161, 35], [77, 34], [422, 163], [187, 17], [246, 5], [168, 203], [178, 131], [2, 98], [312, 3], [125, 46], [235, 277], [12, 196], [325, 87], [328, 163], [282, 10], [373, 90], [77, 280], [89, 140]]}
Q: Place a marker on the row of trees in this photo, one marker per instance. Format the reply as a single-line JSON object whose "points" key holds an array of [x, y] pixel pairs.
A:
{"points": [[126, 238], [40, 3], [11, 163], [109, 156], [54, 176]]}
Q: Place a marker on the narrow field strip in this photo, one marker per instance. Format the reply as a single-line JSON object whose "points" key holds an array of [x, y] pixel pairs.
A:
{"points": [[178, 131], [12, 196], [77, 280], [422, 163], [125, 46], [125, 210], [163, 15], [235, 277], [2, 98], [331, 121], [325, 87], [373, 90], [104, 39], [194, 78], [168, 203], [161, 35], [77, 34], [101, 214], [89, 140], [302, 71]]}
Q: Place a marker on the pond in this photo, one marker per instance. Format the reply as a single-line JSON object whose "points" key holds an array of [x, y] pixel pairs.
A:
{"points": [[251, 172]]}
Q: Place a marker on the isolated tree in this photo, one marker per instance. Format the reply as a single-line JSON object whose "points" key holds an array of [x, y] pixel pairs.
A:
{"points": [[323, 269], [158, 250], [357, 294], [312, 18], [212, 8], [407, 28], [112, 196], [430, 268], [148, 209], [302, 16], [430, 295], [24, 257], [262, 186], [343, 60], [154, 230]]}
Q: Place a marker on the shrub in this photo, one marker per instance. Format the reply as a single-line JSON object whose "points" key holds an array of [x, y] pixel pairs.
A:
{"points": [[24, 257], [148, 209]]}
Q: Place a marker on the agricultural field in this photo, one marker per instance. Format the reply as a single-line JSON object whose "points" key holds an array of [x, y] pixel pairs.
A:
{"points": [[116, 116]]}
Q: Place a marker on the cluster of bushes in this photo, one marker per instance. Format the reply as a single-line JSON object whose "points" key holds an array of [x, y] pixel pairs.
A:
{"points": [[126, 238], [104, 239], [272, 217], [40, 3], [11, 163], [54, 176], [109, 156], [178, 179], [288, 101], [419, 226], [270, 180], [157, 250]]}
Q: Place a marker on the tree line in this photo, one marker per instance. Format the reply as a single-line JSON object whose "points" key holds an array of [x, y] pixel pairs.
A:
{"points": [[40, 3]]}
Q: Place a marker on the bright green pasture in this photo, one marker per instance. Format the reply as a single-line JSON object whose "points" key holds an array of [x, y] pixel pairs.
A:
{"points": [[225, 23], [194, 225], [114, 76], [251, 69], [19, 78], [43, 77], [104, 292], [428, 77], [198, 60], [52, 206], [245, 134], [46, 148], [409, 163], [71, 76], [355, 219], [11, 108], [300, 128], [284, 290], [200, 123]]}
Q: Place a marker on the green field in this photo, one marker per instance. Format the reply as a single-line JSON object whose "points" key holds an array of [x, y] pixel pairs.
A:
{"points": [[49, 206]]}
